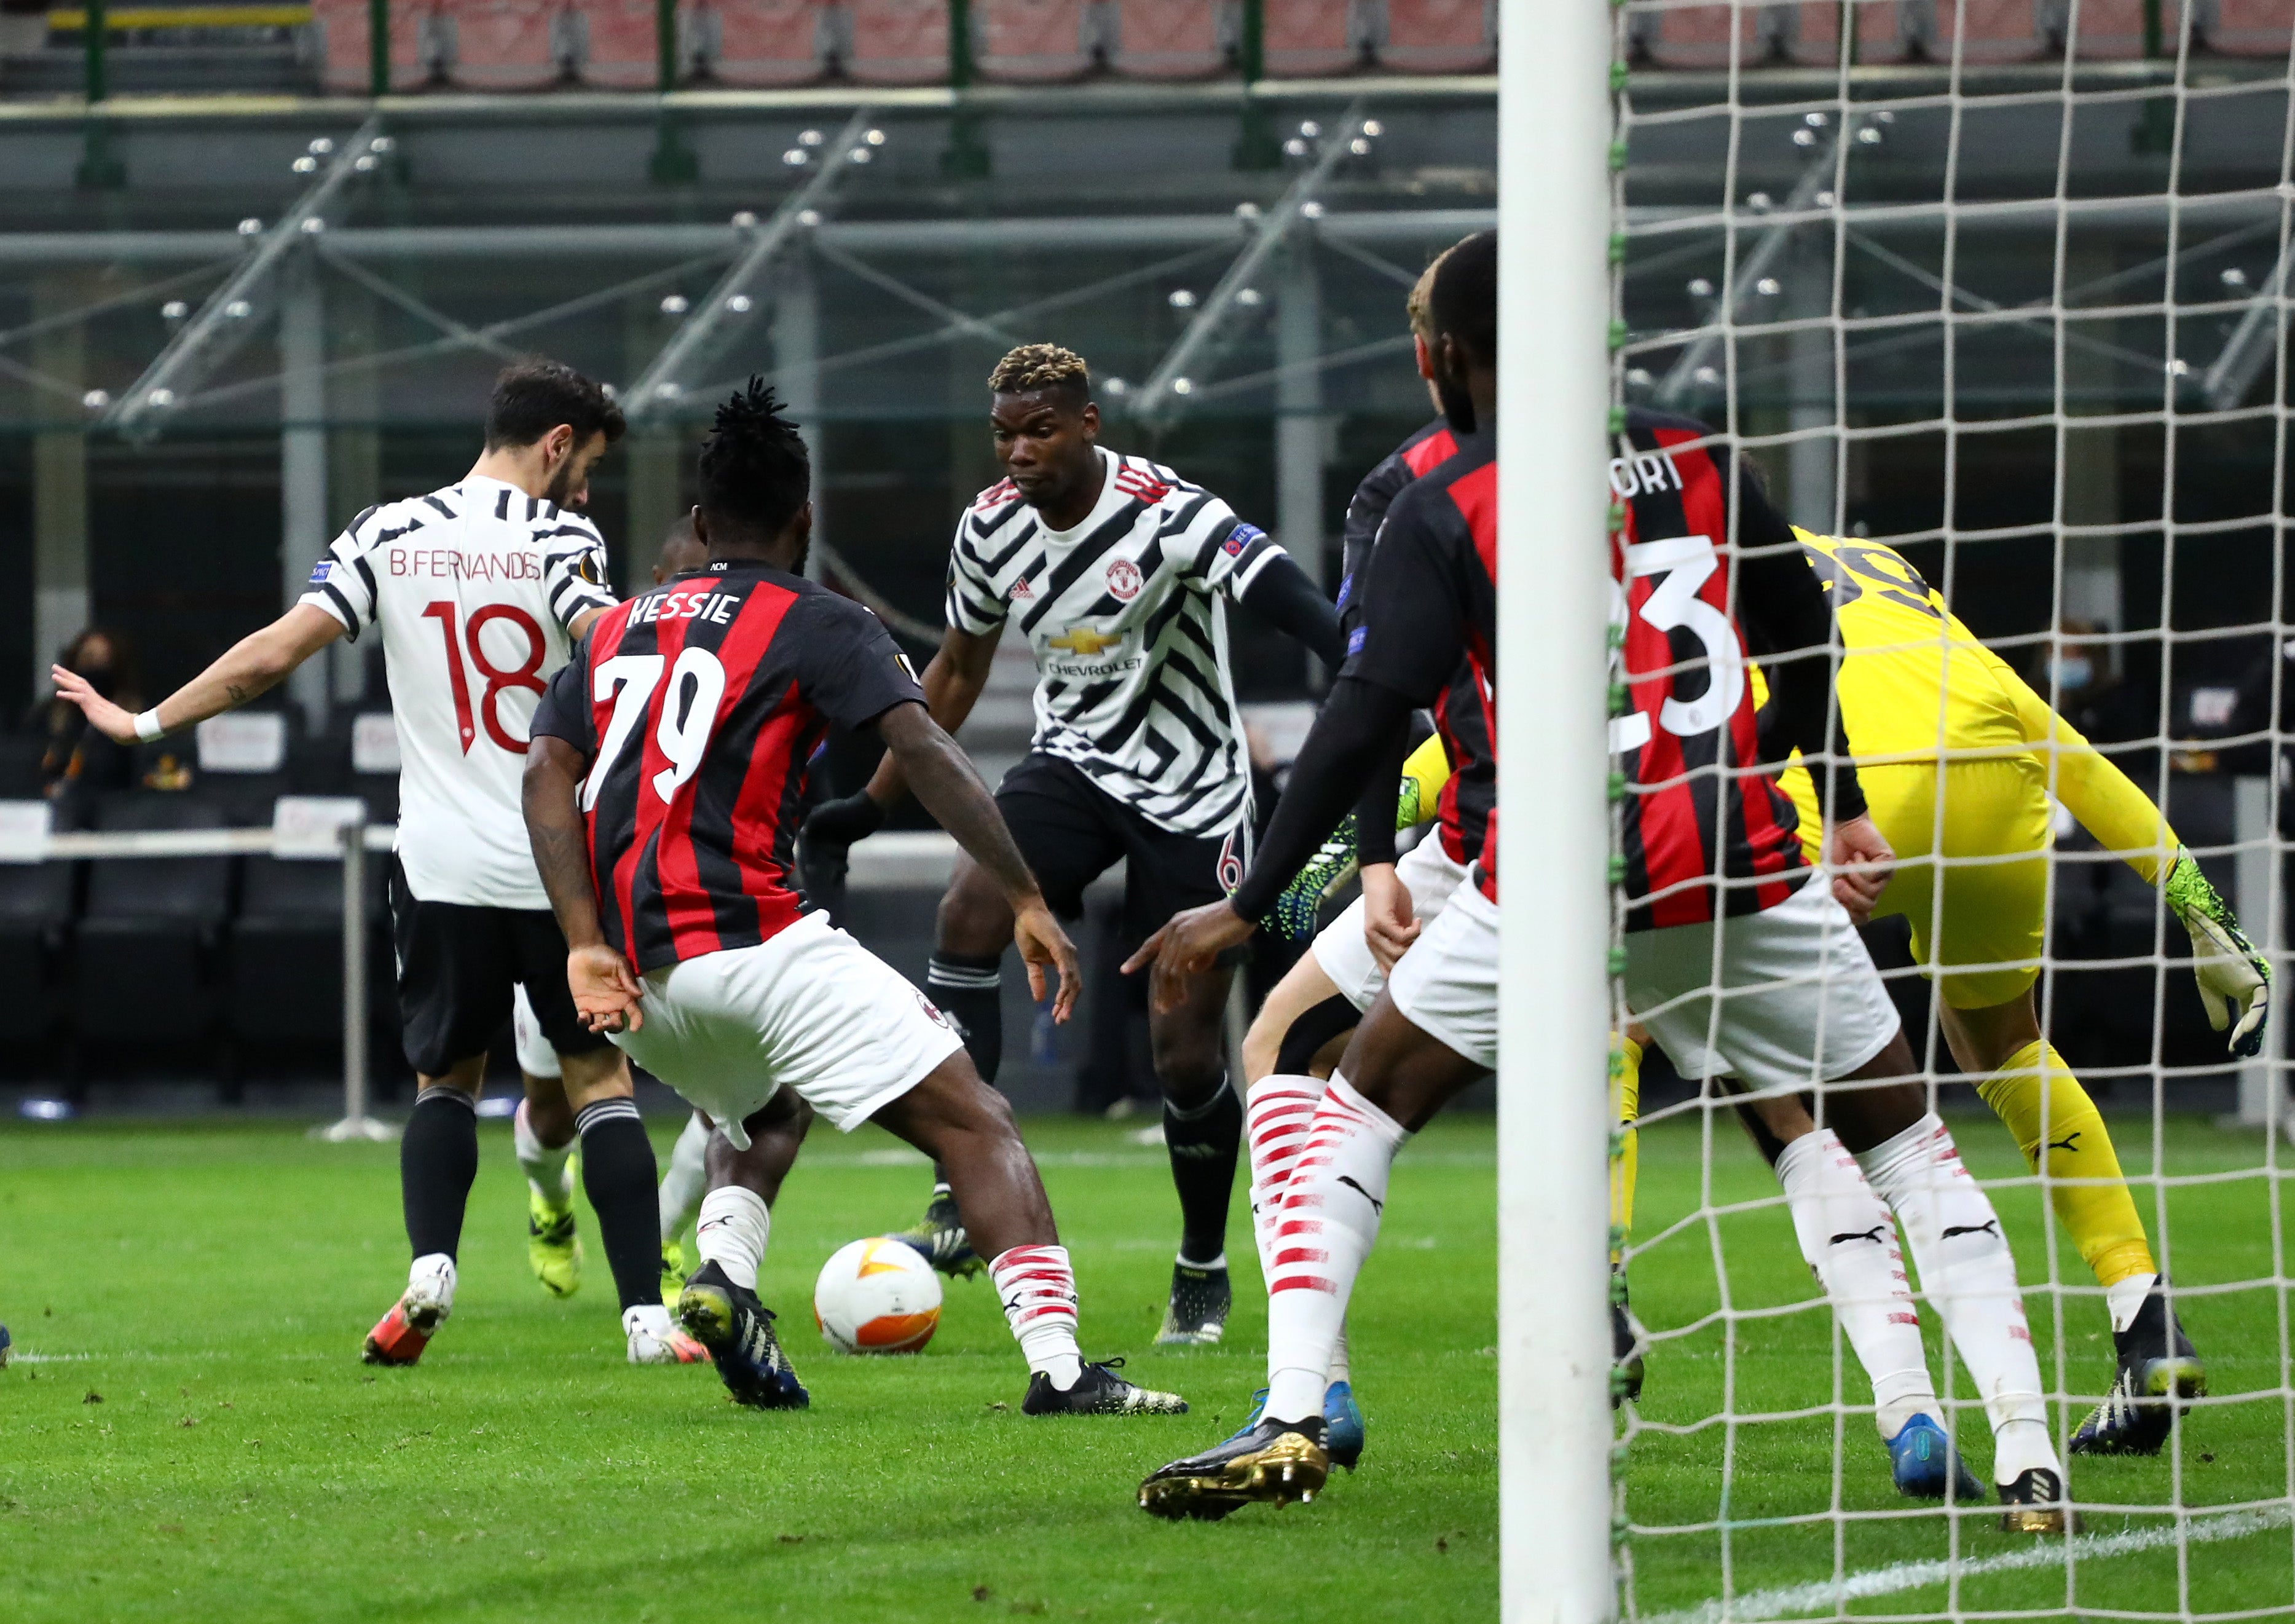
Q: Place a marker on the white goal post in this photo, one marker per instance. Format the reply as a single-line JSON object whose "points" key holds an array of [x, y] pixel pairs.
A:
{"points": [[1554, 395]]}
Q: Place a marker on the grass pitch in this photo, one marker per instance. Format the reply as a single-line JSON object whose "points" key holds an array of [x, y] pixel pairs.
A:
{"points": [[211, 1284]]}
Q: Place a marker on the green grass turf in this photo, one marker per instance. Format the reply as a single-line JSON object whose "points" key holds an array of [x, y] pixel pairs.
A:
{"points": [[212, 1284]]}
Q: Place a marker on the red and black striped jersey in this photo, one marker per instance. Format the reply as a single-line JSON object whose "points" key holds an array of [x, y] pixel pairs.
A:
{"points": [[697, 706], [1708, 573], [1430, 611], [1471, 793]]}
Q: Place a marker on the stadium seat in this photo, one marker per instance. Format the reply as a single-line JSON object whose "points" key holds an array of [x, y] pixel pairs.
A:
{"points": [[143, 957], [765, 42], [895, 42], [1308, 38], [285, 984], [36, 920], [621, 44], [1440, 36], [2252, 27], [1174, 39], [1026, 40]]}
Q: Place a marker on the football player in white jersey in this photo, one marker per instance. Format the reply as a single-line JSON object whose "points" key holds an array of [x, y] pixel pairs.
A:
{"points": [[479, 590], [1114, 567]]}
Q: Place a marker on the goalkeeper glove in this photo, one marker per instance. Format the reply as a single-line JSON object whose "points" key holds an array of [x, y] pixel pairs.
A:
{"points": [[2234, 979], [1297, 910]]}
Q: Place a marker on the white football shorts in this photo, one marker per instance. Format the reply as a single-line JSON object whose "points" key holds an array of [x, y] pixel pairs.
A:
{"points": [[535, 1057], [1800, 1002], [810, 1009], [1339, 949], [1448, 983]]}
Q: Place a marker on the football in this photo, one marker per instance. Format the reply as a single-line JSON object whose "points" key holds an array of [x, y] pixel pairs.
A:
{"points": [[877, 1295]]}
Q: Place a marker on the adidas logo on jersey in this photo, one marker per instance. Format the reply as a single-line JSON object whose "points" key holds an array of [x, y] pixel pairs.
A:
{"points": [[1021, 589]]}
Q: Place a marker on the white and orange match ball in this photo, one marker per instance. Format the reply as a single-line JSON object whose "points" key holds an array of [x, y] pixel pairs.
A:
{"points": [[876, 1296]]}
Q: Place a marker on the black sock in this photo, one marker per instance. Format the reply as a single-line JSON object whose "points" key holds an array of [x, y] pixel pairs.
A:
{"points": [[971, 992], [1202, 1139], [619, 1175], [438, 1162]]}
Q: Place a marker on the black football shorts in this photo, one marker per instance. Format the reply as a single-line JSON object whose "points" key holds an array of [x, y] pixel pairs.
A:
{"points": [[1072, 831], [456, 966]]}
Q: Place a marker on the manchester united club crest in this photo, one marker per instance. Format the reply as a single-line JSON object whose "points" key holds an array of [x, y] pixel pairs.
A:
{"points": [[1124, 579]]}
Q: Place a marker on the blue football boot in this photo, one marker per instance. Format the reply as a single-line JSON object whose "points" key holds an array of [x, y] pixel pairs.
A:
{"points": [[1342, 1424], [1920, 1461], [738, 1330]]}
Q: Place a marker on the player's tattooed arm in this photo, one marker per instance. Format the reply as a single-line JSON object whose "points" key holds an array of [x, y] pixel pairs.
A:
{"points": [[954, 793], [605, 989], [254, 665]]}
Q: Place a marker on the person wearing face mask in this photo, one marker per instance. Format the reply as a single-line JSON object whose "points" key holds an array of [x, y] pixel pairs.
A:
{"points": [[78, 759]]}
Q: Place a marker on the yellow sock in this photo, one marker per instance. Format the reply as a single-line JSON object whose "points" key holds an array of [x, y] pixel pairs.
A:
{"points": [[2098, 1211], [1625, 1161]]}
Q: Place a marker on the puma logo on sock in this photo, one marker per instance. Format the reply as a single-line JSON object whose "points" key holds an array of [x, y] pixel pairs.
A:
{"points": [[1873, 1234], [1376, 1205], [1993, 1224], [2071, 1141]]}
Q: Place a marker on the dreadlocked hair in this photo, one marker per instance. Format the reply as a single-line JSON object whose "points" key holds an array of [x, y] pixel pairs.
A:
{"points": [[754, 473], [1033, 368]]}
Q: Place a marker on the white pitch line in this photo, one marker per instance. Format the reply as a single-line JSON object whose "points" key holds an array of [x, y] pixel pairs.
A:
{"points": [[1799, 1600]]}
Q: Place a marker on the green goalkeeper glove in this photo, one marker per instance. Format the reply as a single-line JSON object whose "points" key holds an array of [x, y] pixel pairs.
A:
{"points": [[2234, 979], [1298, 909]]}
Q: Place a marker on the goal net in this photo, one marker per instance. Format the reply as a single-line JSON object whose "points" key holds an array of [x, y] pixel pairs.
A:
{"points": [[1995, 296]]}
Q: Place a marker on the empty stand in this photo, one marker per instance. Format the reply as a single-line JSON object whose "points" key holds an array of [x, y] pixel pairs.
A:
{"points": [[143, 958], [1042, 39], [762, 41], [1440, 36], [894, 41], [1174, 39], [285, 984]]}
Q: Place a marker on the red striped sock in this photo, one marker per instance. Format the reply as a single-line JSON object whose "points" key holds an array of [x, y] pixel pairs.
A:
{"points": [[1277, 1111], [1038, 1290], [1328, 1223]]}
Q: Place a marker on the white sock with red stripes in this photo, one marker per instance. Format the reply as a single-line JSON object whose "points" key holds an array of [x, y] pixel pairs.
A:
{"points": [[1277, 1111], [1038, 1290], [1970, 1274], [1328, 1225], [1849, 1242]]}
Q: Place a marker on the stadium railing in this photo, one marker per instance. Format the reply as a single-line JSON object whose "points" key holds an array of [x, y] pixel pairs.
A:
{"points": [[144, 953]]}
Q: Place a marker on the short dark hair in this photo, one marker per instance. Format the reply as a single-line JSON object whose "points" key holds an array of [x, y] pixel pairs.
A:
{"points": [[755, 472], [534, 393], [1464, 301], [1043, 369]]}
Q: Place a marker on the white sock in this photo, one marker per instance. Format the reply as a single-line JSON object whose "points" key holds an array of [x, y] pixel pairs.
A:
{"points": [[732, 1233], [648, 1319], [2124, 1297], [683, 1184], [1038, 1290], [1968, 1272], [545, 1168], [1339, 1371], [1185, 1261], [1328, 1223], [1850, 1242], [431, 1278]]}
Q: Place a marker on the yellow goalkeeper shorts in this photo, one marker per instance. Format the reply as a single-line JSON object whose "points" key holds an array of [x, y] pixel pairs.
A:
{"points": [[1983, 914]]}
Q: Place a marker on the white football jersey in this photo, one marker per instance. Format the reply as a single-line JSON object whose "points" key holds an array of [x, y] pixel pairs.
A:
{"points": [[1130, 646], [474, 587]]}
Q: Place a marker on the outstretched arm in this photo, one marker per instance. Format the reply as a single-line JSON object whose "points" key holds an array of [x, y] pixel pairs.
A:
{"points": [[605, 989], [953, 791], [254, 665], [952, 681], [1281, 595]]}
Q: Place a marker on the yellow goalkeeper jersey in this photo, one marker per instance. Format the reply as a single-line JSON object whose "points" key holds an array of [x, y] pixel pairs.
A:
{"points": [[1916, 687]]}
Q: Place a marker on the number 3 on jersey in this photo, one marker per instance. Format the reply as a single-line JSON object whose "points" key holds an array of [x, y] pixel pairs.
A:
{"points": [[526, 674], [627, 681], [1685, 563]]}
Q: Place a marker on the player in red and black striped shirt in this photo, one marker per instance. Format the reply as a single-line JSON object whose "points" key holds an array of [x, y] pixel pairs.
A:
{"points": [[662, 795]]}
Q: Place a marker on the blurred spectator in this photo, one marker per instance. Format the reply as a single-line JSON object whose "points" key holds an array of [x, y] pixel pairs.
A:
{"points": [[78, 759], [2083, 678]]}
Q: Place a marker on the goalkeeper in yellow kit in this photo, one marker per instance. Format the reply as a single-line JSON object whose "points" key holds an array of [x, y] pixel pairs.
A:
{"points": [[1958, 758]]}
